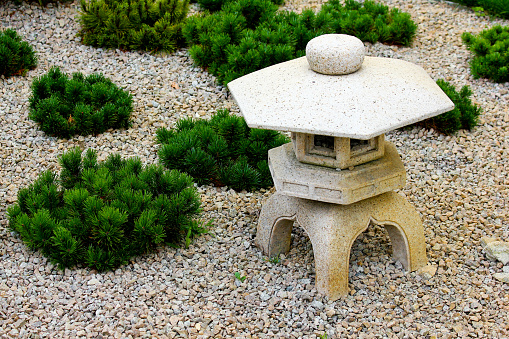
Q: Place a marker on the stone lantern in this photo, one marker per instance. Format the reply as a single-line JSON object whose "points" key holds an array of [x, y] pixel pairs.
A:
{"points": [[338, 174]]}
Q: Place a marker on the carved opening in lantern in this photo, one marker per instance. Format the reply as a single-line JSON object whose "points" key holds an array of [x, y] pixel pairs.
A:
{"points": [[359, 147], [323, 145], [336, 152]]}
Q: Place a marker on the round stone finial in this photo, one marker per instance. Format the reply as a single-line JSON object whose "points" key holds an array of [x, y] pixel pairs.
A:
{"points": [[335, 54]]}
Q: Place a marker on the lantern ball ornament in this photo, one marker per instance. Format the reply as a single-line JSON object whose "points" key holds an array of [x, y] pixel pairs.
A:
{"points": [[338, 175], [335, 54]]}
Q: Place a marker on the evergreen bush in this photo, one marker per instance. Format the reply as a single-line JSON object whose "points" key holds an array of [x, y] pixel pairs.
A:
{"points": [[491, 53], [148, 25], [247, 35], [64, 106], [101, 214], [465, 115], [216, 5], [498, 8], [16, 56], [222, 151]]}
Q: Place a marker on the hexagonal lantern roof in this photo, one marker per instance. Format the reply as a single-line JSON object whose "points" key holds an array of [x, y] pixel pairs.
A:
{"points": [[382, 95]]}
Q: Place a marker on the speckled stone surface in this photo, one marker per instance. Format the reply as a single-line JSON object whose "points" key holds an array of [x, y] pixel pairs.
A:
{"points": [[335, 54], [333, 228], [343, 156], [297, 179], [458, 183], [384, 94]]}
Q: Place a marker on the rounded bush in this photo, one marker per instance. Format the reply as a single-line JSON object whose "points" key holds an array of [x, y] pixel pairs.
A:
{"points": [[16, 56], [64, 106], [465, 115], [491, 53], [222, 151], [248, 35], [498, 8], [147, 25], [99, 215]]}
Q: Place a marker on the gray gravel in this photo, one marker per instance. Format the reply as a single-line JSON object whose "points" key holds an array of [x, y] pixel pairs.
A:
{"points": [[459, 184]]}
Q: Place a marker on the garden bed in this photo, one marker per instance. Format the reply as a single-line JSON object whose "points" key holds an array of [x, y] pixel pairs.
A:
{"points": [[458, 183]]}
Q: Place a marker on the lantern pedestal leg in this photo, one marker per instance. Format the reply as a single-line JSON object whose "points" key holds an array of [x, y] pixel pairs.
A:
{"points": [[333, 228]]}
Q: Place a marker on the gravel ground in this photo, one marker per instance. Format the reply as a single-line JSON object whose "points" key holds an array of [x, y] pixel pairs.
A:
{"points": [[459, 184]]}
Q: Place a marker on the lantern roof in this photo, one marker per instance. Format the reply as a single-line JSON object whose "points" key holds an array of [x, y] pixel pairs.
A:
{"points": [[382, 95]]}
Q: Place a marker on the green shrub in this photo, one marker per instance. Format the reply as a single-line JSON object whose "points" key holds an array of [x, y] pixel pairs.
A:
{"points": [[371, 22], [491, 53], [148, 25], [64, 106], [101, 214], [247, 35], [16, 56], [494, 7], [498, 8], [222, 151], [469, 3], [216, 5], [464, 115]]}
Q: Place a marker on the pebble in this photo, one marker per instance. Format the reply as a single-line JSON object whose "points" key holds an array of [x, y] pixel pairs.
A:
{"points": [[504, 277], [428, 271], [458, 183], [498, 250]]}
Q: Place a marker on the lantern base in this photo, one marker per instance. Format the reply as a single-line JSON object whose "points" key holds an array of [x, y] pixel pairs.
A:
{"points": [[333, 228]]}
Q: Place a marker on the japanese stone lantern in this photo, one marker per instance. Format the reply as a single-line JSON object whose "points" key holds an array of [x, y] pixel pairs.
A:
{"points": [[338, 174]]}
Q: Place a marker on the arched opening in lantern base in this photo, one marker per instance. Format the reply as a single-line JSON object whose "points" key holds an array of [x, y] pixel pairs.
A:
{"points": [[332, 230]]}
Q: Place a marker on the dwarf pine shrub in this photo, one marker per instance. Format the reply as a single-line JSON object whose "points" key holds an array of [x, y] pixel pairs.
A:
{"points": [[222, 151], [148, 25], [101, 214], [371, 21], [216, 5], [465, 115], [498, 8], [491, 53], [16, 56], [64, 106], [247, 35]]}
